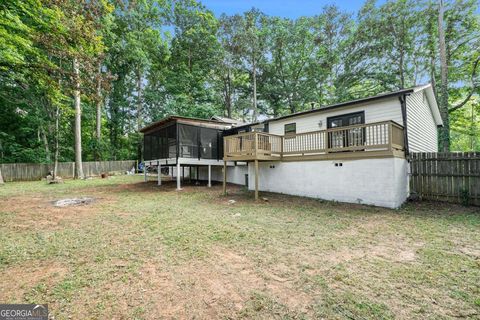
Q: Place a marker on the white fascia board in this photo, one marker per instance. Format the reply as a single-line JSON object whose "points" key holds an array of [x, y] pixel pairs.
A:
{"points": [[432, 102]]}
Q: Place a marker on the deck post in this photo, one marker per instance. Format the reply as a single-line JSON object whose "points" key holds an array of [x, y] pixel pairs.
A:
{"points": [[209, 175], [179, 186], [256, 179], [256, 144], [390, 136], [281, 147], [145, 171], [224, 178], [159, 168], [325, 141]]}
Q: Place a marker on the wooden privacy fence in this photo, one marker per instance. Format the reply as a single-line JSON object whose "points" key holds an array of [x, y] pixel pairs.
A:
{"points": [[447, 176], [37, 171]]}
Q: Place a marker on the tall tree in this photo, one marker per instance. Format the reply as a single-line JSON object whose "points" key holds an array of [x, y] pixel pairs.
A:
{"points": [[445, 131], [458, 39], [195, 52], [56, 58], [292, 48], [228, 63], [251, 41], [333, 74], [136, 42]]}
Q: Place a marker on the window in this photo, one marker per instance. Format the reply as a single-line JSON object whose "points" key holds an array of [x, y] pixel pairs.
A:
{"points": [[346, 120], [290, 129], [353, 137]]}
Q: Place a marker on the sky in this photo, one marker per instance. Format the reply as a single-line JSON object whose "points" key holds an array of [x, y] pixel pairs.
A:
{"points": [[282, 8]]}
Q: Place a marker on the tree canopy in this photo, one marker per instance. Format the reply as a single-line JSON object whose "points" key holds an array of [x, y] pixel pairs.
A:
{"points": [[110, 67]]}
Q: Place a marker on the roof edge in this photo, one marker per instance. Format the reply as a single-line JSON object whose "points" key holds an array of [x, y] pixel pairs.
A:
{"points": [[432, 102], [175, 118], [346, 103]]}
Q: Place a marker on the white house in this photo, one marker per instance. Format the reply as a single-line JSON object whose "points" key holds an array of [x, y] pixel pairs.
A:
{"points": [[354, 151]]}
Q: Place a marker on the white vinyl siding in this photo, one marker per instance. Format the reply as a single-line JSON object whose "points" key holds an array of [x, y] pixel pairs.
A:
{"points": [[422, 129], [380, 110]]}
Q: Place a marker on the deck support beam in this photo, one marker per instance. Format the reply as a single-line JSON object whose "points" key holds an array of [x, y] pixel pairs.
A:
{"points": [[159, 177], [256, 179], [209, 175], [224, 178], [179, 186]]}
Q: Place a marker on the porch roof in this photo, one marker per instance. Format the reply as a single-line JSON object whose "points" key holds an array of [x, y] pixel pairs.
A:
{"points": [[215, 124]]}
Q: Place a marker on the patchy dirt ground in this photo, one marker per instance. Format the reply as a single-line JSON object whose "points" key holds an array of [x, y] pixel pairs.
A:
{"points": [[148, 252]]}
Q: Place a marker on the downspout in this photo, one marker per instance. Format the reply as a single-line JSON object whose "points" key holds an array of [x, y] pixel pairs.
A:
{"points": [[403, 105]]}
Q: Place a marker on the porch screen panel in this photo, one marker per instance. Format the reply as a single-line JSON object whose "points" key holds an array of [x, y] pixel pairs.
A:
{"points": [[147, 155], [160, 144], [163, 143], [208, 143], [220, 145], [154, 147], [172, 141], [188, 138]]}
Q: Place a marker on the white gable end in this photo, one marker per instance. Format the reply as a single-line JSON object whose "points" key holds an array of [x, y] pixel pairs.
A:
{"points": [[422, 128]]}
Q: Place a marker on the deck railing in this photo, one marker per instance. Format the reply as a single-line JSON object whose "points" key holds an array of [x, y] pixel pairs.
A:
{"points": [[379, 136]]}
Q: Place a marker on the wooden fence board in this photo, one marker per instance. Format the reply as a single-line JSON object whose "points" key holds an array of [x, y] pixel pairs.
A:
{"points": [[37, 171], [446, 176]]}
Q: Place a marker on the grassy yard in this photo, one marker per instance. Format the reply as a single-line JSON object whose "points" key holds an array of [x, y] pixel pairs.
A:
{"points": [[148, 252]]}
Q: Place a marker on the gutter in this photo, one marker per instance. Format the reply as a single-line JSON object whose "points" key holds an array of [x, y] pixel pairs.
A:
{"points": [[403, 105]]}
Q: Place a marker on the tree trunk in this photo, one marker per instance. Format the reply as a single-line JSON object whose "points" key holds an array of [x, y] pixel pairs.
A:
{"points": [[57, 132], [228, 94], [98, 124], [401, 70], [78, 121], [139, 114], [444, 132], [254, 76], [472, 129], [98, 131], [1, 177], [45, 144]]}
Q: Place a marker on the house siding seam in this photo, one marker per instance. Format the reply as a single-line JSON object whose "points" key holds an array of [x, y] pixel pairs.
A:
{"points": [[421, 127], [381, 110]]}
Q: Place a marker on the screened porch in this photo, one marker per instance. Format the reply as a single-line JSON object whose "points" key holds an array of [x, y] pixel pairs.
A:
{"points": [[180, 140]]}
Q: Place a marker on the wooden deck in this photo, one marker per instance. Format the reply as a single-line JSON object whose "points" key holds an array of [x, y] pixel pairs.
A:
{"points": [[373, 140]]}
